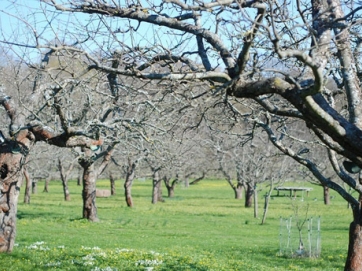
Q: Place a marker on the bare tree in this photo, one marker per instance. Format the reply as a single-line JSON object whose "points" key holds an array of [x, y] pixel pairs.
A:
{"points": [[277, 56], [90, 176], [27, 186], [64, 176]]}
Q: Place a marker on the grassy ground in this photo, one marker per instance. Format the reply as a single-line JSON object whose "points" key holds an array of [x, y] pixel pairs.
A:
{"points": [[202, 228]]}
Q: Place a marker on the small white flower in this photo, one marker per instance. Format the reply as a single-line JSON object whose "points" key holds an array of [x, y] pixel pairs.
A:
{"points": [[88, 258], [53, 264]]}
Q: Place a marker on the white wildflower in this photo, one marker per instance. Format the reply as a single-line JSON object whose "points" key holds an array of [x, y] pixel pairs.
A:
{"points": [[148, 262], [88, 258], [108, 268], [38, 246], [53, 264], [120, 250]]}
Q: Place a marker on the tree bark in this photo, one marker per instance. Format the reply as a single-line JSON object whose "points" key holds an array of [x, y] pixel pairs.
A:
{"points": [[90, 175], [46, 185], [354, 256], [8, 205], [255, 203], [187, 184], [11, 176], [238, 189], [79, 179], [89, 192], [34, 187], [113, 184], [156, 186], [27, 187], [159, 194], [130, 175], [64, 178], [170, 186], [249, 195], [266, 203], [66, 191], [326, 196]]}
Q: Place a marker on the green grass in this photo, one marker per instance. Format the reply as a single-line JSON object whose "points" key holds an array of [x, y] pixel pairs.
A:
{"points": [[202, 228]]}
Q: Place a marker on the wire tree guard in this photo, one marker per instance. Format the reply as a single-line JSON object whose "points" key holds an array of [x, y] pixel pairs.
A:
{"points": [[302, 241]]}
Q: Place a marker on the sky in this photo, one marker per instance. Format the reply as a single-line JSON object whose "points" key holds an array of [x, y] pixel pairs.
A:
{"points": [[22, 20]]}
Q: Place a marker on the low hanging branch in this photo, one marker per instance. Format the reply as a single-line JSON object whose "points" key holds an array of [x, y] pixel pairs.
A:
{"points": [[13, 156], [198, 179]]}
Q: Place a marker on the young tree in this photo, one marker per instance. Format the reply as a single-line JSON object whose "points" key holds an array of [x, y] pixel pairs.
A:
{"points": [[64, 176]]}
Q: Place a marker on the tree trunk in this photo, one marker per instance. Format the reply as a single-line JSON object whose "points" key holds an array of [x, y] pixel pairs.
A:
{"points": [[256, 203], [113, 184], [79, 179], [170, 191], [354, 256], [90, 175], [249, 195], [89, 192], [266, 206], [326, 196], [28, 184], [156, 186], [64, 178], [187, 184], [159, 194], [46, 185], [11, 176], [66, 191], [8, 204], [238, 190], [34, 187], [170, 186], [266, 203], [128, 193], [130, 175]]}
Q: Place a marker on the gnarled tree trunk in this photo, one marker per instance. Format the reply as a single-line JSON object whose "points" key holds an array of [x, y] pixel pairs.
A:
{"points": [[8, 208], [11, 176], [90, 175], [170, 186], [13, 156], [89, 192]]}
